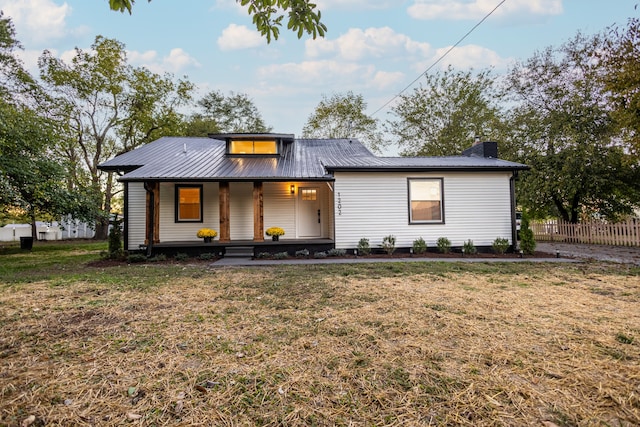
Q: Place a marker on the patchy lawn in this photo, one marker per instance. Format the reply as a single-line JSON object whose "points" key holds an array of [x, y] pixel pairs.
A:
{"points": [[373, 344]]}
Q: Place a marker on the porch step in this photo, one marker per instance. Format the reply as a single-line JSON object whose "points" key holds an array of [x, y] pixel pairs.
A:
{"points": [[239, 252]]}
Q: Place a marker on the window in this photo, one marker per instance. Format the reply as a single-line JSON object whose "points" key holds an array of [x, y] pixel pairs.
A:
{"points": [[309, 194], [188, 203], [425, 200], [253, 147]]}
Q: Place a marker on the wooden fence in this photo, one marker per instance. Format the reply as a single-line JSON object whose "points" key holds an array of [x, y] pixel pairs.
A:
{"points": [[621, 234]]}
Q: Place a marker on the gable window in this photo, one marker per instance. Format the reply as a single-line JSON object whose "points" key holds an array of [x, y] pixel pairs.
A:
{"points": [[425, 200], [242, 146], [188, 203]]}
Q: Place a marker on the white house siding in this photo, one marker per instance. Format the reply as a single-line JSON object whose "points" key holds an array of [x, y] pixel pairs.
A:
{"points": [[279, 207], [477, 206], [172, 231], [241, 210], [136, 215]]}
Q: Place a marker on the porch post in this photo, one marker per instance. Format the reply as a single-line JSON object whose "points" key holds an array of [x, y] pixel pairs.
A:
{"points": [[225, 224], [258, 213], [152, 228]]}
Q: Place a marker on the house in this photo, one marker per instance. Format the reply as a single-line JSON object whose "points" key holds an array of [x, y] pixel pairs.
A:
{"points": [[325, 193]]}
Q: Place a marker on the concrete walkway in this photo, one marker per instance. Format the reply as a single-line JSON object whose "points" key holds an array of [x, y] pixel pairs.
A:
{"points": [[568, 252], [245, 262]]}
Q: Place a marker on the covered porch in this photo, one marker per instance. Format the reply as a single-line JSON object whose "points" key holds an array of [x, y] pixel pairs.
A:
{"points": [[240, 212]]}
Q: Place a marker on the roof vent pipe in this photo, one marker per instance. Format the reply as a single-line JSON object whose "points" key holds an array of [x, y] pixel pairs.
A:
{"points": [[184, 147]]}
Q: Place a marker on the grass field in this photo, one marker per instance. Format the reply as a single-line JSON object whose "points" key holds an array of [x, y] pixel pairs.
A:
{"points": [[448, 344]]}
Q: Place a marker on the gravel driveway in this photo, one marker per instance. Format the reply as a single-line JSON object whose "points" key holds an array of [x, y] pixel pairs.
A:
{"points": [[620, 254]]}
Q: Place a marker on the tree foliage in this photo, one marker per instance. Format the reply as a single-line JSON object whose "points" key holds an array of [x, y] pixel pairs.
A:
{"points": [[343, 116], [621, 61], [302, 16], [107, 107], [444, 115], [563, 128], [235, 113]]}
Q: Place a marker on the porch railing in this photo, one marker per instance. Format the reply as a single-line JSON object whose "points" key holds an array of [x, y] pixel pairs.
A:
{"points": [[625, 233]]}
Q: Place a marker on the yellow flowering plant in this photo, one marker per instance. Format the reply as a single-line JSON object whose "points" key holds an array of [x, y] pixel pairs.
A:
{"points": [[207, 232], [274, 231]]}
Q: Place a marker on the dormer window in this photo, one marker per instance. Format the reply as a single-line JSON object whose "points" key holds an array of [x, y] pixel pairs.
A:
{"points": [[244, 146]]}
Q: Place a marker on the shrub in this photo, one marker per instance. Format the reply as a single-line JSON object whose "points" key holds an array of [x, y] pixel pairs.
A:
{"points": [[115, 239], [206, 256], [336, 252], [389, 244], [136, 258], [469, 247], [302, 253], [320, 255], [527, 240], [158, 258], [280, 255], [180, 256], [263, 255], [363, 246], [444, 245], [419, 246], [500, 245]]}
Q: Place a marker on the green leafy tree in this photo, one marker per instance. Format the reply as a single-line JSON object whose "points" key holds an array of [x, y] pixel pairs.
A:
{"points": [[621, 59], [32, 179], [268, 16], [563, 129], [235, 113], [343, 116], [107, 107], [444, 115]]}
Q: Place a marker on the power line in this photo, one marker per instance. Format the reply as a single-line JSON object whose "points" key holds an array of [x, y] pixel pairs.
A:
{"points": [[440, 58]]}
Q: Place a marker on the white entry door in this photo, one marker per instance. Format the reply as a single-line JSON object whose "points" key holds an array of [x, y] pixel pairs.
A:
{"points": [[309, 224]]}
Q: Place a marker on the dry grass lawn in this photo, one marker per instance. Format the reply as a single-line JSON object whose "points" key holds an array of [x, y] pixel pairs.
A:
{"points": [[377, 345]]}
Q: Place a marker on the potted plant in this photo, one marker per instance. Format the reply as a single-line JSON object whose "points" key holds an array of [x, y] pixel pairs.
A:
{"points": [[275, 233], [207, 234]]}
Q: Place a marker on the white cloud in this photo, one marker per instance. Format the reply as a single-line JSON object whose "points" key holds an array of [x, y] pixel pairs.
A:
{"points": [[477, 9], [335, 74], [354, 4], [358, 44], [464, 57], [37, 20], [177, 60], [236, 37]]}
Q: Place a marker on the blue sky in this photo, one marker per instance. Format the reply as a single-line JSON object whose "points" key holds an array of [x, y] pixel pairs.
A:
{"points": [[373, 47]]}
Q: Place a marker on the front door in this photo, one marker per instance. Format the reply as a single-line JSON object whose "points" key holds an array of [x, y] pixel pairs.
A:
{"points": [[309, 224]]}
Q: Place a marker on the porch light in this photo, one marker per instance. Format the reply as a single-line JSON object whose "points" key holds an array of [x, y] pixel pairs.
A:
{"points": [[293, 189]]}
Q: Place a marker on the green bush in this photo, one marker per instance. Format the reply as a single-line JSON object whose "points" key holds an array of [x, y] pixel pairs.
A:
{"points": [[206, 256], [302, 253], [469, 247], [389, 244], [180, 256], [444, 245], [363, 246], [320, 255], [115, 239], [336, 252], [136, 258], [500, 245], [419, 246], [281, 255], [527, 240]]}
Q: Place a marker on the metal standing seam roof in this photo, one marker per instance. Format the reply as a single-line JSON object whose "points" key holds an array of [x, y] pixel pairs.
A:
{"points": [[202, 159]]}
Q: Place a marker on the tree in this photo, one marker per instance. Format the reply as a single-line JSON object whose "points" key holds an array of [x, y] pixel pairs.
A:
{"points": [[343, 116], [621, 59], [106, 107], [268, 15], [32, 179], [235, 113], [563, 128], [443, 116]]}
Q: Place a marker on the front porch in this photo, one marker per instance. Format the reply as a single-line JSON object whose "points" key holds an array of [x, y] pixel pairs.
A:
{"points": [[241, 247]]}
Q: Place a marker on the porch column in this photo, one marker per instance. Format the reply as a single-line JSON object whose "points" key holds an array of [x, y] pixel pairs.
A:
{"points": [[225, 224], [152, 225], [258, 213]]}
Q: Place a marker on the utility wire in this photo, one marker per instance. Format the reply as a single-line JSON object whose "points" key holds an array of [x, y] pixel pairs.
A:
{"points": [[440, 58]]}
